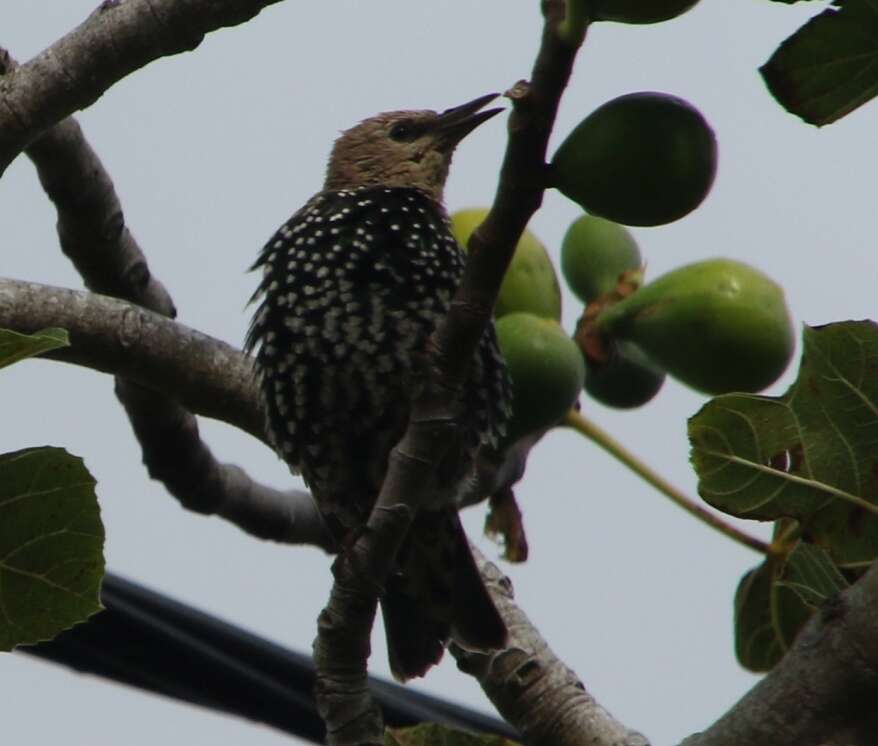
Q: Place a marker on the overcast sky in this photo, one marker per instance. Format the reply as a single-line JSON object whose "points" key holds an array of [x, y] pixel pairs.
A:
{"points": [[211, 151]]}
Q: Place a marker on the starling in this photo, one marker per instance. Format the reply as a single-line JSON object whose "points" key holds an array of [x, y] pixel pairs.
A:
{"points": [[353, 286]]}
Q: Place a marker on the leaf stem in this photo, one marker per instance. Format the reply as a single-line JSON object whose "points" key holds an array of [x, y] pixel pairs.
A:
{"points": [[785, 538], [600, 437]]}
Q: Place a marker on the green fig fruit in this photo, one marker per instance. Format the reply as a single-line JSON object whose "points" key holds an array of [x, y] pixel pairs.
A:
{"points": [[546, 368], [530, 284], [627, 379], [594, 253], [717, 325], [637, 11], [640, 159]]}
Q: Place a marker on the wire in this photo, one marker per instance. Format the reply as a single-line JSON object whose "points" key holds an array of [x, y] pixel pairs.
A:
{"points": [[147, 640]]}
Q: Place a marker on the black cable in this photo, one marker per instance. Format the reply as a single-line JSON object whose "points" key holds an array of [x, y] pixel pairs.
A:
{"points": [[148, 640]]}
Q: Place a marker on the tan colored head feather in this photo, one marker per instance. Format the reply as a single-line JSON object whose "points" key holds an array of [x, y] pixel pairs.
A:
{"points": [[403, 148]]}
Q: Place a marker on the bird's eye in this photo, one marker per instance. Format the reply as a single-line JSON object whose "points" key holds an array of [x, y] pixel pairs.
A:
{"points": [[403, 131]]}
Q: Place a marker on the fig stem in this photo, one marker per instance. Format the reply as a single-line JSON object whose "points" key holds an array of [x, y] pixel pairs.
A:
{"points": [[610, 315], [572, 29], [602, 438]]}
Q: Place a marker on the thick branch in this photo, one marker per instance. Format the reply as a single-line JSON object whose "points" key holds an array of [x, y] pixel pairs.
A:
{"points": [[531, 688], [205, 375], [115, 40], [824, 689], [167, 362], [519, 194]]}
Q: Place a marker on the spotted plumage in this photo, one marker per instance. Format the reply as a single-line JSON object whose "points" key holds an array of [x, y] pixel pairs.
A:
{"points": [[353, 285]]}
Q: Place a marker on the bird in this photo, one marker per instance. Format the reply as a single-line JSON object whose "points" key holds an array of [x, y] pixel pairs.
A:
{"points": [[352, 287]]}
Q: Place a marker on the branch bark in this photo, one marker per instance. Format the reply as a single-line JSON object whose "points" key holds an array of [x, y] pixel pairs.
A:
{"points": [[823, 691], [165, 362], [531, 688], [204, 374], [114, 41]]}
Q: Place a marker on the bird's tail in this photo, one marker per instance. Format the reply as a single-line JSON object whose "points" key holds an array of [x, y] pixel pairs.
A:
{"points": [[438, 593]]}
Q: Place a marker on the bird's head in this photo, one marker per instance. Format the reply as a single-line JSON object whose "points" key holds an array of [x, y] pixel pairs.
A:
{"points": [[404, 148]]}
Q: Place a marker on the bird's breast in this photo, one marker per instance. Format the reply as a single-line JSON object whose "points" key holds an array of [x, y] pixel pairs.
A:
{"points": [[353, 285]]}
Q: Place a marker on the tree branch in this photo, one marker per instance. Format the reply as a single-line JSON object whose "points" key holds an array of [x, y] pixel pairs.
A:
{"points": [[204, 374], [114, 41], [93, 235], [531, 688], [166, 362], [342, 645], [823, 691]]}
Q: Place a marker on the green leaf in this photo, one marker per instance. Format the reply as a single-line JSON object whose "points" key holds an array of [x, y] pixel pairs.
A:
{"points": [[431, 734], [757, 647], [51, 542], [811, 454], [810, 574], [15, 346], [768, 616], [829, 66]]}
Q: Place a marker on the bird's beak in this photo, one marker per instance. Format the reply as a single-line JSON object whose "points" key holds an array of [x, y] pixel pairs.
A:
{"points": [[453, 125]]}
